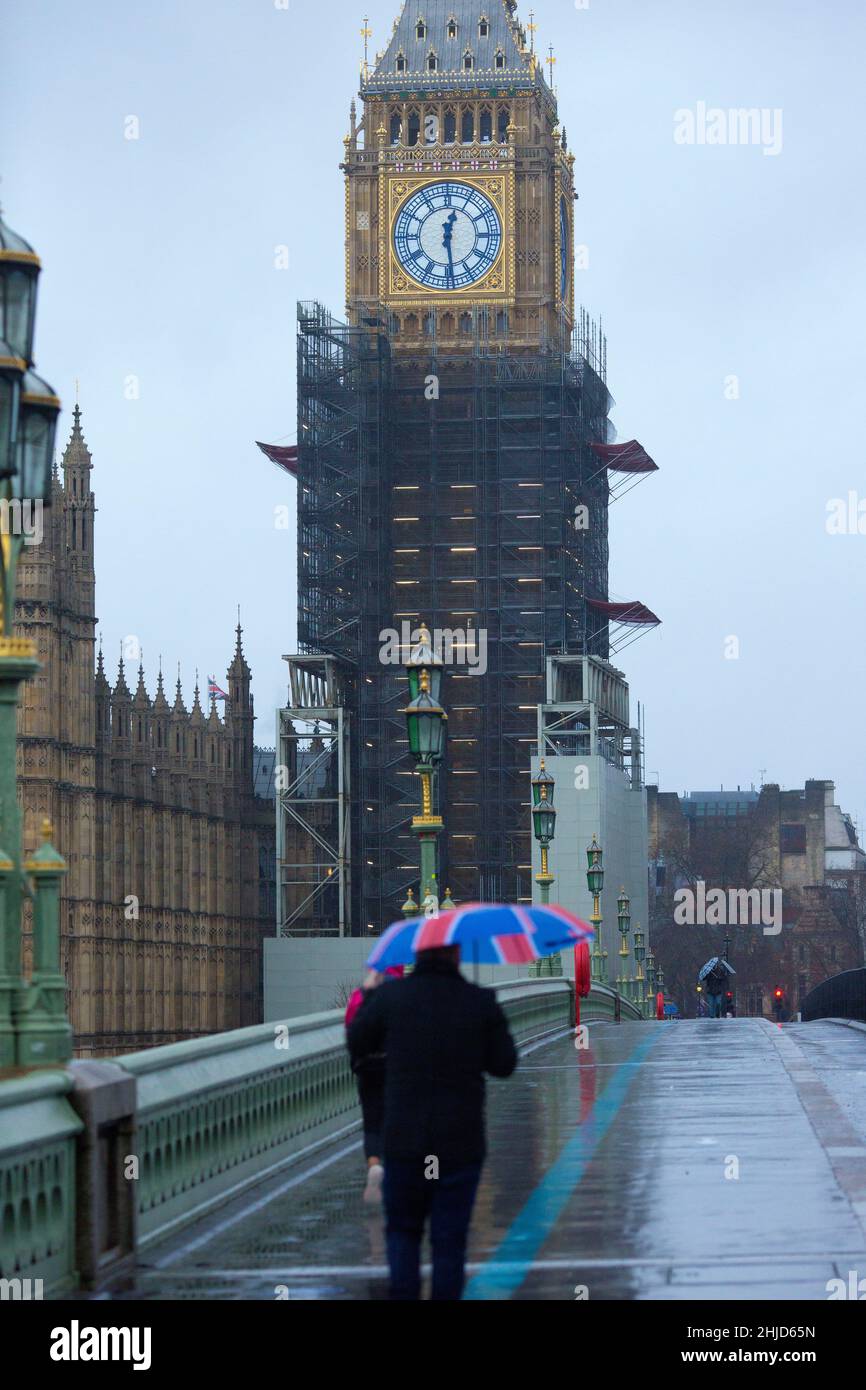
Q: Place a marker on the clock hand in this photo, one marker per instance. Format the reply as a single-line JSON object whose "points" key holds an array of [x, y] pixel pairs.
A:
{"points": [[447, 238]]}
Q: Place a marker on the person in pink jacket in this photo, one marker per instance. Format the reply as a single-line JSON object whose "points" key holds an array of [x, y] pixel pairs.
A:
{"points": [[370, 1078]]}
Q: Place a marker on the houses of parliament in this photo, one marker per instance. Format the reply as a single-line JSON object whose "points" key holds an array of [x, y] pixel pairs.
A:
{"points": [[169, 850]]}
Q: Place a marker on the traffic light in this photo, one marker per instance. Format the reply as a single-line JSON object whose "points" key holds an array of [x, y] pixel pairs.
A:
{"points": [[778, 1000]]}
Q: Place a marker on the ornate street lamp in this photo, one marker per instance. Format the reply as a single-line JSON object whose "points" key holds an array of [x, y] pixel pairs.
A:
{"points": [[595, 883], [660, 981], [544, 825], [651, 982], [544, 829], [623, 914], [34, 1029], [640, 956], [426, 721], [19, 271]]}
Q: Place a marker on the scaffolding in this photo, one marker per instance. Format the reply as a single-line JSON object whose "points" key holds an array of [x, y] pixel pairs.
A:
{"points": [[445, 475], [586, 714], [313, 778]]}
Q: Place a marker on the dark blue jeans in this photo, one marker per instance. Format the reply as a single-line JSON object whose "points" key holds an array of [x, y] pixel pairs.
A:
{"points": [[410, 1199]]}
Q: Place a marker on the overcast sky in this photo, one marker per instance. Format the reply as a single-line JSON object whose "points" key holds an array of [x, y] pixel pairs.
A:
{"points": [[707, 263]]}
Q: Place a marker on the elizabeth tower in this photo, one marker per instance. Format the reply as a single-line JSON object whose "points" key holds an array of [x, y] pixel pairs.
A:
{"points": [[445, 437]]}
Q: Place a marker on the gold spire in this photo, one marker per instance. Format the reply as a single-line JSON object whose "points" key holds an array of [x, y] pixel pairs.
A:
{"points": [[551, 61], [366, 35]]}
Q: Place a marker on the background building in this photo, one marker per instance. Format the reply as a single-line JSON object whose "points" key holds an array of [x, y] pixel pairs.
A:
{"points": [[154, 807], [798, 841]]}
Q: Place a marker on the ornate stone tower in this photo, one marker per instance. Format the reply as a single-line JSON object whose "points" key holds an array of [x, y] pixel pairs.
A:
{"points": [[459, 184], [445, 451]]}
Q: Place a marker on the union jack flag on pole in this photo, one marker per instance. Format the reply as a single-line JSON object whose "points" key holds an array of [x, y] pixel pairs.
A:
{"points": [[214, 691]]}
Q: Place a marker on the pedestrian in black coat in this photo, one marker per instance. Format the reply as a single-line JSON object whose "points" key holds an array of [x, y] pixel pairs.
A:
{"points": [[440, 1035]]}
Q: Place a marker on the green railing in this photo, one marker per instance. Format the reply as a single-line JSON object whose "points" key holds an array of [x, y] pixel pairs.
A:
{"points": [[217, 1114], [38, 1130], [213, 1116], [601, 1004]]}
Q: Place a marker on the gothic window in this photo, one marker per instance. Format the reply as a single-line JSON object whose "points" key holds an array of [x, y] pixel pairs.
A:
{"points": [[466, 323], [74, 521], [429, 324], [432, 62], [177, 741], [229, 757], [140, 731], [467, 129], [483, 27], [452, 28], [84, 531], [486, 129], [468, 61], [195, 747], [500, 59], [502, 124], [450, 127], [396, 128], [448, 325], [420, 30], [414, 127], [501, 323], [212, 757], [401, 62]]}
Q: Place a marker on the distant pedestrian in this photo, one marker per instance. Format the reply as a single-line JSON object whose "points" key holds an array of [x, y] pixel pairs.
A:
{"points": [[715, 987], [370, 1079], [440, 1034]]}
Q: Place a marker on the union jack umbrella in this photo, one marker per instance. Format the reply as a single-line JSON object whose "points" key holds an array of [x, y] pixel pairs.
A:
{"points": [[487, 933]]}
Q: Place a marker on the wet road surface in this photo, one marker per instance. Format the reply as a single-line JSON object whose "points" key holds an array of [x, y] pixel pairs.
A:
{"points": [[706, 1159]]}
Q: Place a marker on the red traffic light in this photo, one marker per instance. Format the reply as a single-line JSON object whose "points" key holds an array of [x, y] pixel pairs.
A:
{"points": [[778, 994]]}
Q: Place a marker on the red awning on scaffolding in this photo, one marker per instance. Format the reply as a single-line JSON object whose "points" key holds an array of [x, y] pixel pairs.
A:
{"points": [[283, 455], [625, 458], [628, 614]]}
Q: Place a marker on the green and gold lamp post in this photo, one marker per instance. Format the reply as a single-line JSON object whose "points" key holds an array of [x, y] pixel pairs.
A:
{"points": [[623, 916], [640, 957], [595, 883], [33, 1026], [544, 829], [650, 983], [544, 826], [426, 722]]}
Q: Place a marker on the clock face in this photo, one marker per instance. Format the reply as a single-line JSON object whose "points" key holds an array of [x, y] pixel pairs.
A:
{"points": [[447, 236], [565, 244]]}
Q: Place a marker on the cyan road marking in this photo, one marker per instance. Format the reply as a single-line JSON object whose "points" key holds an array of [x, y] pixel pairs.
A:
{"points": [[510, 1263]]}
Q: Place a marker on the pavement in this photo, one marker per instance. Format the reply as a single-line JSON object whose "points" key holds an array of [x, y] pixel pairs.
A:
{"points": [[711, 1159]]}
